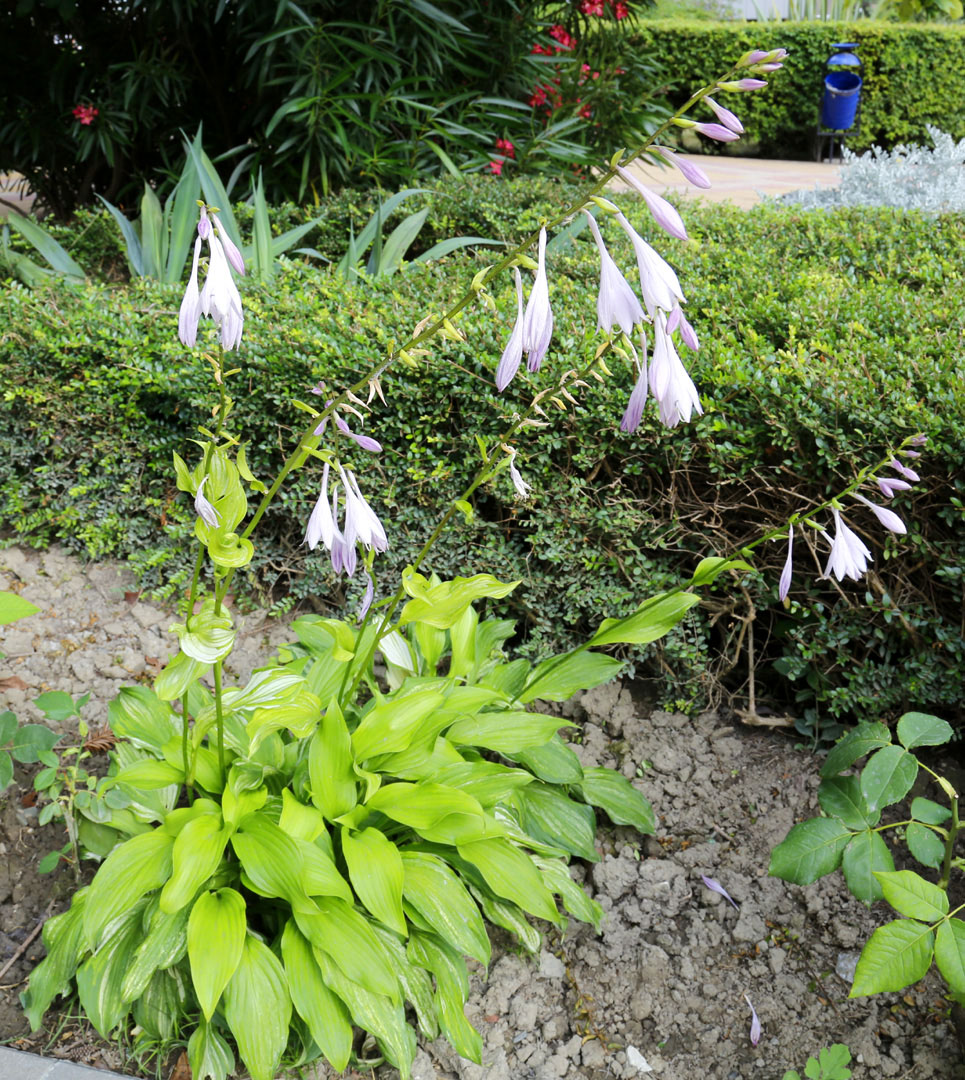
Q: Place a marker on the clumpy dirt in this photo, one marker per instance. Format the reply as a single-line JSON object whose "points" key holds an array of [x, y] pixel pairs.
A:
{"points": [[660, 991]]}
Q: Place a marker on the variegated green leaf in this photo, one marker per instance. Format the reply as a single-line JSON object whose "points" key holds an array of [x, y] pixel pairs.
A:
{"points": [[216, 938], [375, 869], [258, 1009]]}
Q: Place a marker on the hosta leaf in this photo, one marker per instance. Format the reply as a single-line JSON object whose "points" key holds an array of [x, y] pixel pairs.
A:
{"points": [[888, 777], [840, 797], [136, 867], [216, 938], [164, 945], [920, 729], [510, 873], [950, 953], [452, 989], [556, 877], [506, 732], [865, 854], [99, 979], [271, 859], [855, 744], [911, 895], [177, 676], [375, 869], [64, 938], [506, 914], [301, 822], [809, 851], [325, 1014], [139, 715], [485, 781], [620, 800], [555, 762], [391, 726], [258, 1008], [198, 851], [414, 980], [164, 1001], [654, 618], [895, 956], [319, 874], [442, 605], [207, 636], [560, 677], [330, 765], [549, 815], [209, 1055], [423, 805], [437, 894]]}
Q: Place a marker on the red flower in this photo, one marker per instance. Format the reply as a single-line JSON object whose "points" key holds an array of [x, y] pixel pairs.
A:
{"points": [[586, 112], [505, 147], [539, 96], [496, 168], [85, 114], [566, 40], [620, 10], [592, 7]]}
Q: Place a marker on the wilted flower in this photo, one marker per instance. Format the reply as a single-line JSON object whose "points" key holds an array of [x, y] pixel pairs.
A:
{"points": [[522, 488], [367, 598], [538, 317], [715, 886], [755, 1033], [513, 353], [888, 518], [784, 586], [616, 303], [204, 509], [658, 282], [849, 557], [691, 172], [664, 214], [725, 116], [670, 384]]}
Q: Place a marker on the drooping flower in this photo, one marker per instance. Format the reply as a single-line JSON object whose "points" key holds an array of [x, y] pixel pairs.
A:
{"points": [[889, 485], [513, 353], [670, 384], [538, 317], [849, 556], [232, 254], [658, 282], [190, 311], [784, 586], [204, 509], [522, 488], [220, 299], [717, 131], [755, 1032], [638, 396], [321, 524], [888, 518], [367, 598], [903, 470], [691, 172], [725, 116], [664, 214], [363, 441], [361, 521], [616, 302]]}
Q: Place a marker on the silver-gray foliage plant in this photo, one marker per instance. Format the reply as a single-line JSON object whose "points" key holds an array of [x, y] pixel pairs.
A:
{"points": [[908, 178]]}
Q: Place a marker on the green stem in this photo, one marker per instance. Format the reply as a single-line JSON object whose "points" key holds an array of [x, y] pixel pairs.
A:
{"points": [[220, 718], [949, 847]]}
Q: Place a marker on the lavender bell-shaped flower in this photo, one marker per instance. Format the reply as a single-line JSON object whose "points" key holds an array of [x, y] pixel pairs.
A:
{"points": [[784, 586], [321, 524], [849, 556], [232, 254], [190, 312], [717, 132], [220, 299], [670, 384], [658, 282], [887, 517], [691, 172], [889, 486], [725, 116], [361, 521], [664, 214], [909, 474], [365, 442], [538, 317], [616, 303], [513, 353], [638, 397], [204, 509]]}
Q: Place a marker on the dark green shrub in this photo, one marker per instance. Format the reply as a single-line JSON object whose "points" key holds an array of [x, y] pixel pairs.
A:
{"points": [[824, 337], [911, 75]]}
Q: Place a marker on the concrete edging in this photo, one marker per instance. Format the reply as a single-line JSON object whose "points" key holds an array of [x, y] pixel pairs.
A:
{"points": [[16, 1065]]}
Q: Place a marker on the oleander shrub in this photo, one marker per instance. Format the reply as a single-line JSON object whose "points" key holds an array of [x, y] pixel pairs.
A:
{"points": [[910, 71], [824, 338]]}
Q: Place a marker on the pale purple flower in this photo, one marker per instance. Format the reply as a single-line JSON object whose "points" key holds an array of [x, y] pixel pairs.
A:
{"points": [[232, 254], [522, 488], [658, 283], [718, 132], [321, 524], [753, 57], [784, 586], [367, 598], [219, 296], [663, 213], [691, 172], [538, 317], [770, 67], [670, 384], [849, 557], [687, 333], [204, 509], [755, 1032], [361, 521], [909, 474], [616, 303], [739, 85], [190, 313], [638, 397], [204, 224], [715, 886], [513, 353], [363, 441], [918, 440], [725, 116], [889, 486], [888, 518]]}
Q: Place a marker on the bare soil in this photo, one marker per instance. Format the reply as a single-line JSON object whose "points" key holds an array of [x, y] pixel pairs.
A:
{"points": [[660, 990]]}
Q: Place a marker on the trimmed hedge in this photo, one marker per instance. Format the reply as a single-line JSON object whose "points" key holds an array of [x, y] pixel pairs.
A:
{"points": [[911, 71], [825, 337]]}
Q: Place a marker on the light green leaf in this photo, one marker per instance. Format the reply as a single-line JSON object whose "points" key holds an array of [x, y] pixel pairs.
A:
{"points": [[392, 725], [216, 938], [560, 677], [854, 745], [178, 674], [931, 813], [414, 980], [809, 851], [271, 859], [164, 945], [421, 806], [654, 618], [888, 777], [555, 762], [925, 846], [840, 797], [46, 245], [950, 953], [328, 1020], [452, 990], [13, 607], [506, 732], [615, 795], [708, 570], [150, 775], [865, 854], [442, 605], [920, 729], [207, 636], [56, 705], [263, 258], [65, 941], [547, 814], [320, 876], [437, 894], [506, 914], [511, 874], [138, 715], [100, 979], [209, 1055], [30, 741], [153, 242], [910, 894], [375, 869], [485, 781], [258, 1008], [557, 879], [136, 867], [895, 956], [198, 851], [181, 212]]}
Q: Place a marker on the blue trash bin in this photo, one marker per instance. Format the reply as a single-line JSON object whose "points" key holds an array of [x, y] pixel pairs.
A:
{"points": [[842, 90]]}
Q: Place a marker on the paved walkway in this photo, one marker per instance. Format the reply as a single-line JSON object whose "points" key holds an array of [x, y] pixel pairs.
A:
{"points": [[15, 1065], [741, 181]]}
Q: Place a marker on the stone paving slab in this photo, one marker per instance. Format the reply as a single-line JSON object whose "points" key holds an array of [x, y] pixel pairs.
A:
{"points": [[16, 1065]]}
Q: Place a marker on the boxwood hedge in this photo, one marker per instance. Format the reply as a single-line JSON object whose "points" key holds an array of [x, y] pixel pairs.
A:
{"points": [[824, 338]]}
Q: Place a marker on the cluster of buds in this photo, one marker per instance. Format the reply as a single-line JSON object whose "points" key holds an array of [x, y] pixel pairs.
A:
{"points": [[849, 556], [219, 299]]}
